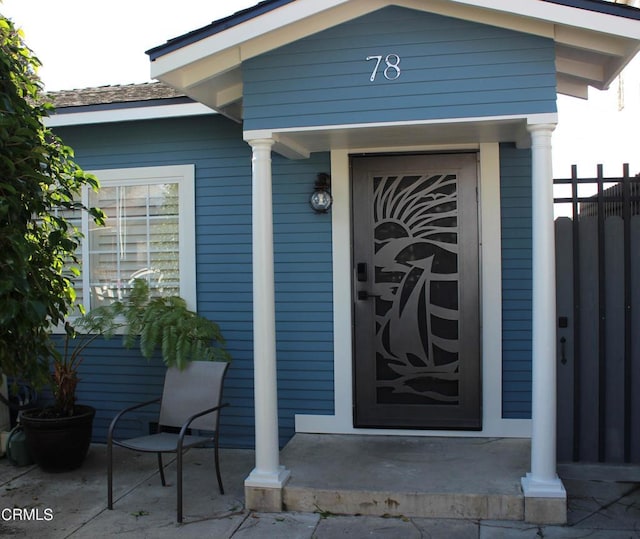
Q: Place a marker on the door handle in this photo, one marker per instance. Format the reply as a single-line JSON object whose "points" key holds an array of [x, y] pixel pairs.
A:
{"points": [[364, 295]]}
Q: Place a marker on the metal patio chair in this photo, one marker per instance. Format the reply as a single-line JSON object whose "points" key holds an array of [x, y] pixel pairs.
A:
{"points": [[191, 399]]}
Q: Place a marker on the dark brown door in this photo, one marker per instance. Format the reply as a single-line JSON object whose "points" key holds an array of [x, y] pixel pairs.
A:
{"points": [[415, 260]]}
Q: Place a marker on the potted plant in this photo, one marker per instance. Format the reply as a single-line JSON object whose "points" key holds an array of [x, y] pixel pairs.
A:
{"points": [[58, 436]]}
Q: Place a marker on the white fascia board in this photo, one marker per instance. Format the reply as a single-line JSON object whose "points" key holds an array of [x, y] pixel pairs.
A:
{"points": [[588, 40], [563, 15], [241, 33], [128, 114], [469, 11], [227, 49], [226, 63], [533, 15]]}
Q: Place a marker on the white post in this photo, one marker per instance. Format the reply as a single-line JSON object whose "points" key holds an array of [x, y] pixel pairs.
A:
{"points": [[543, 481], [268, 474]]}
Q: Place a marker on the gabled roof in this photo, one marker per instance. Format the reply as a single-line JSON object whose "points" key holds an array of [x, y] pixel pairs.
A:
{"points": [[215, 27], [594, 39], [598, 6]]}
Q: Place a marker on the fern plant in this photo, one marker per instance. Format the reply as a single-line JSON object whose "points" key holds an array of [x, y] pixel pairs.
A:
{"points": [[166, 324], [163, 323]]}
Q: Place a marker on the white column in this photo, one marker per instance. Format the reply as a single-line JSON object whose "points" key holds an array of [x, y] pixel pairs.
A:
{"points": [[543, 481], [268, 473]]}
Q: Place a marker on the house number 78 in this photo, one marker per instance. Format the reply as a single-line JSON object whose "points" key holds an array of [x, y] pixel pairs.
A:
{"points": [[392, 69]]}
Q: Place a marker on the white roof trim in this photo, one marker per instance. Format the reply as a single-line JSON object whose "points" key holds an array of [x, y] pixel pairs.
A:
{"points": [[234, 36], [295, 12], [208, 70], [563, 15], [126, 114]]}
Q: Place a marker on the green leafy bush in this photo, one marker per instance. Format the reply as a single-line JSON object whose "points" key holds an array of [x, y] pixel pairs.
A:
{"points": [[40, 186]]}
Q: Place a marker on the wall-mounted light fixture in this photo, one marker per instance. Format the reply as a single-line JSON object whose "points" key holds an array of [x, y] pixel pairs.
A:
{"points": [[321, 197]]}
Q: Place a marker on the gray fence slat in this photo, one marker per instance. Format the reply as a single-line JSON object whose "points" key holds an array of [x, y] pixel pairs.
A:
{"points": [[589, 398], [635, 338], [614, 377], [564, 308]]}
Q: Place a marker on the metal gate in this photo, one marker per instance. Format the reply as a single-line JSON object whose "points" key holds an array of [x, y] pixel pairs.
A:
{"points": [[598, 306]]}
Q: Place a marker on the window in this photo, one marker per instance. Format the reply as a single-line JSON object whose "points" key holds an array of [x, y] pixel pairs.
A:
{"points": [[149, 234]]}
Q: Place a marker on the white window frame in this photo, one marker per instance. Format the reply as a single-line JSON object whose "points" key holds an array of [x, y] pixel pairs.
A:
{"points": [[184, 176]]}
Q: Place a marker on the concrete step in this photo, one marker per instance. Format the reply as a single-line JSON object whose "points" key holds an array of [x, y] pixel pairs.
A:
{"points": [[404, 504], [463, 478]]}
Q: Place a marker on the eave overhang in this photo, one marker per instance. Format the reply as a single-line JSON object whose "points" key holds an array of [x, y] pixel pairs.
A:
{"points": [[592, 46], [300, 143]]}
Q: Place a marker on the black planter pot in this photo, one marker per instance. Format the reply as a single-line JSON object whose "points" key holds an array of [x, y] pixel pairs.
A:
{"points": [[58, 444]]}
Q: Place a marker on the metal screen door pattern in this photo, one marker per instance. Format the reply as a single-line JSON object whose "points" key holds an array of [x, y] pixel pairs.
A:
{"points": [[410, 362]]}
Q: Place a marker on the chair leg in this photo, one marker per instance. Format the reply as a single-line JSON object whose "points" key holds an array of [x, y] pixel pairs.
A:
{"points": [[109, 475], [179, 485], [161, 469], [218, 465]]}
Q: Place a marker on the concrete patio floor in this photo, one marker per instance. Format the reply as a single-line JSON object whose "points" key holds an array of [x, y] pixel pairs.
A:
{"points": [[604, 501]]}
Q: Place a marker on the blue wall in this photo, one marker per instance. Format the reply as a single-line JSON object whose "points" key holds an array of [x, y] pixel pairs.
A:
{"points": [[515, 195], [114, 378], [450, 68], [304, 285]]}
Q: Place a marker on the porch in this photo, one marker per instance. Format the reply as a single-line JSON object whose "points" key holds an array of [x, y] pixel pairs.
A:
{"points": [[603, 501]]}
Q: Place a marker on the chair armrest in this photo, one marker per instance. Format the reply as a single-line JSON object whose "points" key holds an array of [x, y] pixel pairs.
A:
{"points": [[112, 426], [188, 422]]}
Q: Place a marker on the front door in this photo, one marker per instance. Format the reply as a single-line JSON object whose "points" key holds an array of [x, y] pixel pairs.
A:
{"points": [[415, 261]]}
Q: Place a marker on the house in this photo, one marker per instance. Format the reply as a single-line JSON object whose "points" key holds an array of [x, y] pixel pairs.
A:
{"points": [[423, 301]]}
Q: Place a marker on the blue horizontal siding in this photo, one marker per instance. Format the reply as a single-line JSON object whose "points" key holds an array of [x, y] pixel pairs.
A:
{"points": [[304, 312], [450, 68], [515, 199], [304, 308]]}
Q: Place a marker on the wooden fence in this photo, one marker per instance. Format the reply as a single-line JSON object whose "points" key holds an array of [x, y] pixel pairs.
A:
{"points": [[598, 306]]}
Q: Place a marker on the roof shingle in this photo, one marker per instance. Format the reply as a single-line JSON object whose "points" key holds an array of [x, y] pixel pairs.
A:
{"points": [[103, 95]]}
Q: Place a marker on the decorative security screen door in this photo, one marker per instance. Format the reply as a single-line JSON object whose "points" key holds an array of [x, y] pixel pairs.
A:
{"points": [[416, 327]]}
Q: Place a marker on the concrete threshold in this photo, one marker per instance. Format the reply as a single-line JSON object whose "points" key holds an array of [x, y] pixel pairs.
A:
{"points": [[454, 478]]}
